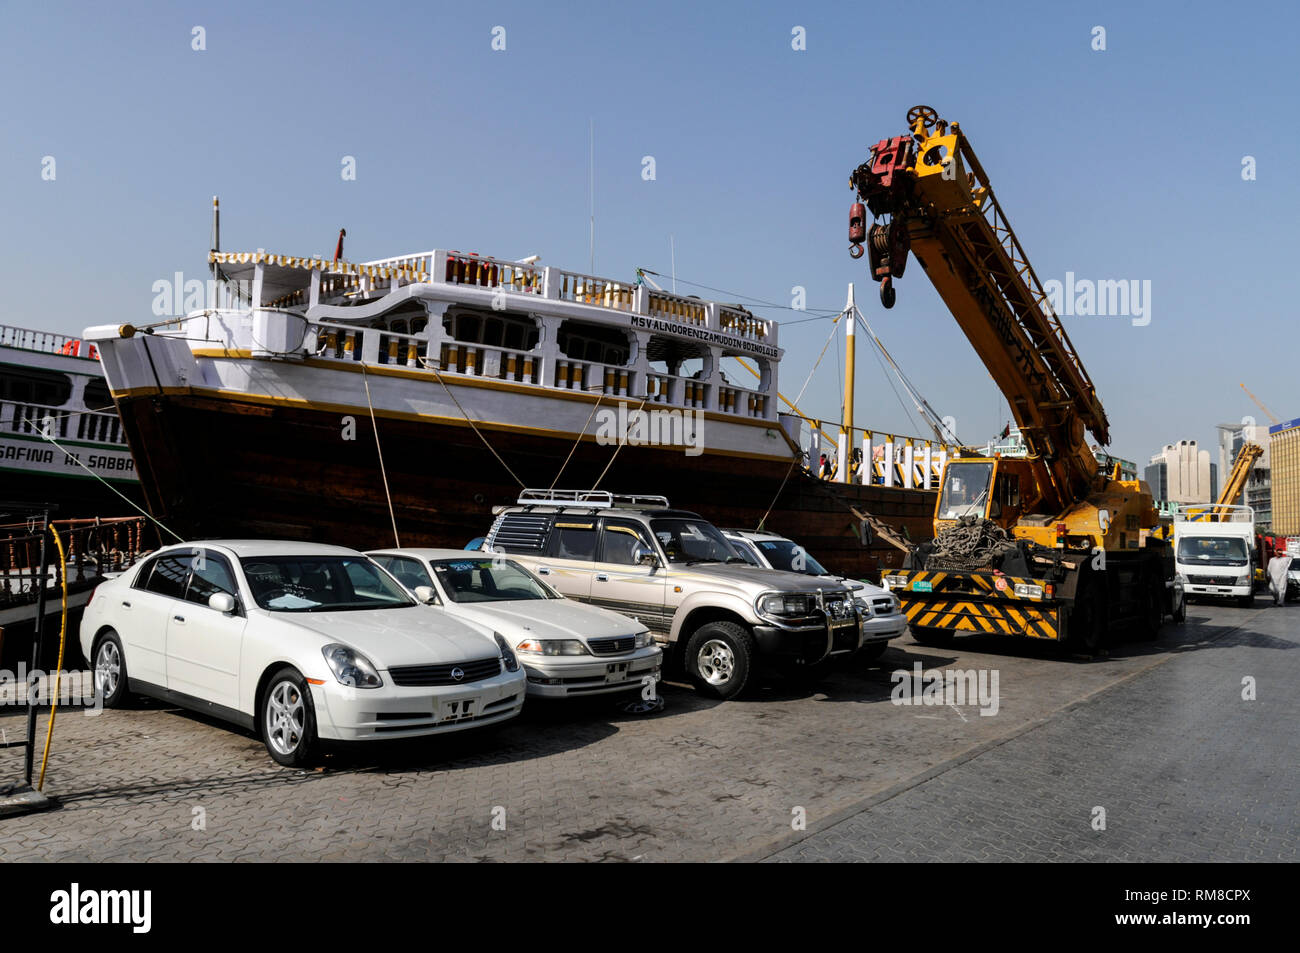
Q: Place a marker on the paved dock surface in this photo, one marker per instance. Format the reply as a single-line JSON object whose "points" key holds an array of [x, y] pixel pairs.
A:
{"points": [[1156, 734]]}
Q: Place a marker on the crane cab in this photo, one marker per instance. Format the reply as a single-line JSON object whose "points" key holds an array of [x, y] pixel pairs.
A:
{"points": [[995, 488]]}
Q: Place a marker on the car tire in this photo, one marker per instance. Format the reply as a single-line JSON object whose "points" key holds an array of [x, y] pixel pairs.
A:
{"points": [[110, 660], [287, 720], [931, 636], [719, 658], [870, 653]]}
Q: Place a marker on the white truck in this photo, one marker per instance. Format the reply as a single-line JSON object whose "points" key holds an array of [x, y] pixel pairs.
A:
{"points": [[1214, 551]]}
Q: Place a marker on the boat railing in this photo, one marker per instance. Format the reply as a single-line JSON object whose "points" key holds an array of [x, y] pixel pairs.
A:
{"points": [[93, 547], [353, 343], [47, 342], [878, 458], [40, 419], [743, 324]]}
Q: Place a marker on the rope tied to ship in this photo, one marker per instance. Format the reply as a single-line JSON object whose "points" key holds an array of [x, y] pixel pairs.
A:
{"points": [[365, 379], [971, 542], [430, 365]]}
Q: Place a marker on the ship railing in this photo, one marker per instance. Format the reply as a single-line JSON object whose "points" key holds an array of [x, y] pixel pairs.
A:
{"points": [[743, 324], [683, 310], [741, 401], [355, 343], [877, 458], [45, 341], [41, 419], [93, 547], [590, 289]]}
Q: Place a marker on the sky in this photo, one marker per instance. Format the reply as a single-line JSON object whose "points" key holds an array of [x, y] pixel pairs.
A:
{"points": [[1122, 163]]}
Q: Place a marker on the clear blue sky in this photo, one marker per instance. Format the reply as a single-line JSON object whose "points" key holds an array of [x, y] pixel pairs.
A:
{"points": [[1122, 164]]}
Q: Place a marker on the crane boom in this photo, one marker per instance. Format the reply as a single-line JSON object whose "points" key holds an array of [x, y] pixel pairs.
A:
{"points": [[1260, 404], [1246, 457], [941, 207]]}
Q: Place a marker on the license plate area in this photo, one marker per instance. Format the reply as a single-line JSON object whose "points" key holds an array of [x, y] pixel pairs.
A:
{"points": [[616, 672], [457, 709]]}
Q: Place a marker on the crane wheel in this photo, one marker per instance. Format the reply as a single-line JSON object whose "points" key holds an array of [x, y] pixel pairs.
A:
{"points": [[887, 293], [927, 114]]}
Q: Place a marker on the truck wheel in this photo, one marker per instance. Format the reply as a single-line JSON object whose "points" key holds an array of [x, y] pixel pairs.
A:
{"points": [[1154, 613], [1246, 602], [1088, 623], [1180, 612], [719, 657], [930, 636]]}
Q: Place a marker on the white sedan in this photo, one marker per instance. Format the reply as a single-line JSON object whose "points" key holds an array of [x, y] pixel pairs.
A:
{"points": [[567, 648], [296, 641]]}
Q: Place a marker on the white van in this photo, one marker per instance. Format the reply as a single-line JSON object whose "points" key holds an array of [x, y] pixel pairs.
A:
{"points": [[1214, 551]]}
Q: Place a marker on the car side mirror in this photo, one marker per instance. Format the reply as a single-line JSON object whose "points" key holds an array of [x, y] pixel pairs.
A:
{"points": [[223, 602], [426, 595], [645, 556]]}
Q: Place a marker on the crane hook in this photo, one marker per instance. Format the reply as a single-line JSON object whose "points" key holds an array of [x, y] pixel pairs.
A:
{"points": [[887, 293], [855, 250]]}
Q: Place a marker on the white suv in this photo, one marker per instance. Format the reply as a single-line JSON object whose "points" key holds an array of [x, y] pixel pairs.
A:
{"points": [[676, 573], [881, 614]]}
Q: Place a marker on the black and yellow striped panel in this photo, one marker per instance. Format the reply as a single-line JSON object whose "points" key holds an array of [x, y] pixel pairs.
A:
{"points": [[958, 615], [985, 583]]}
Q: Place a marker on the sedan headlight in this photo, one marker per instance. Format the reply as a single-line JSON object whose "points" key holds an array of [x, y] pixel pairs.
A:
{"points": [[786, 604], [552, 647], [350, 667], [644, 639], [507, 653]]}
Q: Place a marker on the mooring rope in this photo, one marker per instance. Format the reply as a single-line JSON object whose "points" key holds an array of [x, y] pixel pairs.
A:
{"points": [[146, 515], [365, 378], [469, 420]]}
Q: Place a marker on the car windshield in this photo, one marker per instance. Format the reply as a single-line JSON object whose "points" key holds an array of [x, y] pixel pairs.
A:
{"points": [[321, 584], [1212, 550], [693, 541], [791, 557], [965, 490], [487, 580]]}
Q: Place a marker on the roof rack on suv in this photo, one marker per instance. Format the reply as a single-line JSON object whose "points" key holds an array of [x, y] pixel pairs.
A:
{"points": [[595, 498]]}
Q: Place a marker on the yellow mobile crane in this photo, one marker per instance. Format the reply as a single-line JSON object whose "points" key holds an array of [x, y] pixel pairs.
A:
{"points": [[1045, 546]]}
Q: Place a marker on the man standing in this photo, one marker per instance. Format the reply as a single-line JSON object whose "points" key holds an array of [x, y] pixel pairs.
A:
{"points": [[1278, 567]]}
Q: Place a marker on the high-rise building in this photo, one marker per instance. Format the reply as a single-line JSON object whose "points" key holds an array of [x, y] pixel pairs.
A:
{"points": [[1258, 491], [1284, 449], [1188, 476]]}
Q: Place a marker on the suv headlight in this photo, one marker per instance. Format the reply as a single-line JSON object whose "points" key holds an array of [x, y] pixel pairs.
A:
{"points": [[507, 653], [644, 639], [551, 647], [791, 605], [350, 667], [863, 603]]}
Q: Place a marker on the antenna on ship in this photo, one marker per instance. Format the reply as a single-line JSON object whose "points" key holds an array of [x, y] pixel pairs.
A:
{"points": [[213, 267], [591, 190], [672, 252]]}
